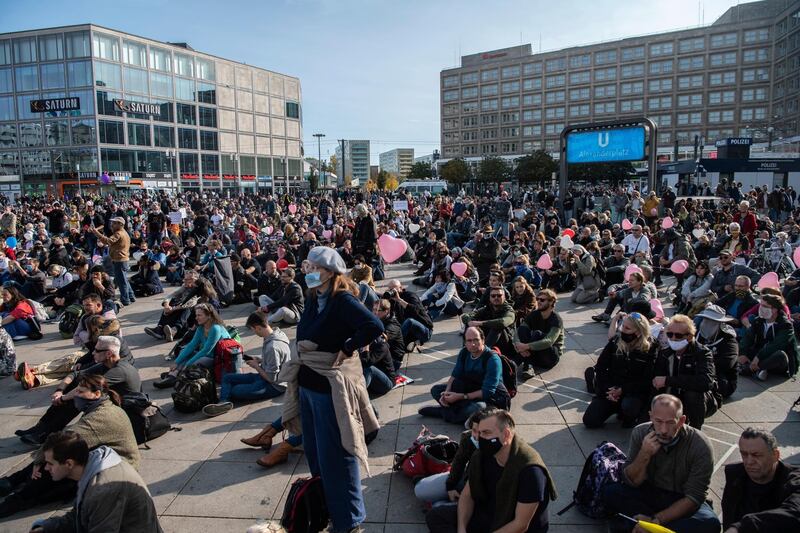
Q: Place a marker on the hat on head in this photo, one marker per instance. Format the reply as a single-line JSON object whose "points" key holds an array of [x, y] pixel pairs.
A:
{"points": [[715, 313], [97, 268], [643, 308], [118, 219], [327, 258], [487, 229], [724, 252]]}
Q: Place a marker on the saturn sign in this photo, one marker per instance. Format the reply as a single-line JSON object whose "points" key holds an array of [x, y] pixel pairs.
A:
{"points": [[55, 104], [137, 107]]}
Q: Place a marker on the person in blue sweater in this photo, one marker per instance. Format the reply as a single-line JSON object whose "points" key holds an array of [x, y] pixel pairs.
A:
{"points": [[476, 381], [200, 350], [333, 403]]}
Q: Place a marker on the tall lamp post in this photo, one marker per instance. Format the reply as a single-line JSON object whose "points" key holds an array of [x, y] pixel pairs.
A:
{"points": [[319, 137]]}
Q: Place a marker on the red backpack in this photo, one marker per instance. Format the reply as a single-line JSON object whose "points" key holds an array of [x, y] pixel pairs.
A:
{"points": [[428, 455], [227, 358]]}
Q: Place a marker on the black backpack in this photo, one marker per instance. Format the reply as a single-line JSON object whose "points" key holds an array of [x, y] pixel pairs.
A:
{"points": [[147, 419], [509, 375], [305, 510], [602, 467], [194, 389], [69, 321]]}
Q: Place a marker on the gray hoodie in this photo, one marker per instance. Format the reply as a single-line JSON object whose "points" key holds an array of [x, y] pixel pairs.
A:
{"points": [[275, 352]]}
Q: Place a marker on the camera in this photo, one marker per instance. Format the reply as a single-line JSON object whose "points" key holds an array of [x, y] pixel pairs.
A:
{"points": [[390, 294]]}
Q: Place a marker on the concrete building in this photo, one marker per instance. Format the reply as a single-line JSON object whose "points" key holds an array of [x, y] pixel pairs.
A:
{"points": [[739, 76], [356, 161], [102, 109], [398, 161]]}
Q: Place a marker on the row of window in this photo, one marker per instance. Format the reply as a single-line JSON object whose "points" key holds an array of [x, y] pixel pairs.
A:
{"points": [[51, 133], [48, 162]]}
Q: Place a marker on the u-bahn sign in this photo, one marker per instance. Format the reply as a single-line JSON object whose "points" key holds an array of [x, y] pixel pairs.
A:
{"points": [[55, 104], [601, 146]]}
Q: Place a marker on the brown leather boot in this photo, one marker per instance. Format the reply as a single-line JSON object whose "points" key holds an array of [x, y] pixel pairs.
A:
{"points": [[263, 439], [277, 456]]}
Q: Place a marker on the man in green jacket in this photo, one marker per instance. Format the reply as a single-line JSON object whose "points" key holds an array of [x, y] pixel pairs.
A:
{"points": [[509, 486], [496, 320]]}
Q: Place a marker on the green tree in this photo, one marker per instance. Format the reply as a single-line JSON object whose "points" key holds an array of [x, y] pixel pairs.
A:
{"points": [[601, 171], [333, 164], [455, 171], [537, 166], [493, 169], [380, 180], [419, 171]]}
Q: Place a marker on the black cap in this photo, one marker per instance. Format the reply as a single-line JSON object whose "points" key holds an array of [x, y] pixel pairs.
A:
{"points": [[97, 268]]}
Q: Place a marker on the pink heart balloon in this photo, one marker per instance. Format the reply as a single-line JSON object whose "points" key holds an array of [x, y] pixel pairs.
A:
{"points": [[631, 268], [796, 256], [544, 262], [658, 309], [292, 209], [653, 212], [269, 230], [770, 279], [667, 223], [679, 266], [569, 231], [327, 233], [626, 224], [459, 269], [391, 248]]}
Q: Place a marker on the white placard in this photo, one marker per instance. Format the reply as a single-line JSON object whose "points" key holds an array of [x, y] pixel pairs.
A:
{"points": [[400, 205], [175, 217]]}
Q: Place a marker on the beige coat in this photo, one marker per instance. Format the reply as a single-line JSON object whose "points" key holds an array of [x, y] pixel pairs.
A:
{"points": [[354, 413]]}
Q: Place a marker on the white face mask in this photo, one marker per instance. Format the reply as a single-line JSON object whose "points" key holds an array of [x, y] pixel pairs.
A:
{"points": [[678, 345], [765, 312]]}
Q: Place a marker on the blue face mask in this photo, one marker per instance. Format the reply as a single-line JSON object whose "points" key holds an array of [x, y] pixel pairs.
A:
{"points": [[313, 280]]}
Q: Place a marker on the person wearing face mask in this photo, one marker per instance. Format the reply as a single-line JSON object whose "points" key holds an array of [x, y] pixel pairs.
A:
{"points": [[667, 475], [486, 253], [735, 243], [587, 278], [103, 423], [715, 333], [738, 302], [440, 490], [769, 345], [686, 370], [440, 261], [286, 303], [325, 391], [623, 373], [509, 486]]}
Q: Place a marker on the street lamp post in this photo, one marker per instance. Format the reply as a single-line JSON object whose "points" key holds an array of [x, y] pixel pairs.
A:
{"points": [[285, 174], [319, 137], [770, 133]]}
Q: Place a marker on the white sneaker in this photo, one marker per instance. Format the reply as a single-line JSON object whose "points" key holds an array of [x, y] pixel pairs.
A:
{"points": [[169, 334], [762, 375]]}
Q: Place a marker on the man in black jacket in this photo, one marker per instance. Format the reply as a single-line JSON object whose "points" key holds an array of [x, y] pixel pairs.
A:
{"points": [[416, 324], [268, 282], [716, 334], [762, 493], [487, 252], [686, 370], [285, 304], [391, 328]]}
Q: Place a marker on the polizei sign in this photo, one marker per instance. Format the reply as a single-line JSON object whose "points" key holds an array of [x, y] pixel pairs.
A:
{"points": [[55, 104], [138, 107]]}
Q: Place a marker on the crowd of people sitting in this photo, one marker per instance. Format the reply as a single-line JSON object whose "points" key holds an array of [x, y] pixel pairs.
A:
{"points": [[499, 265]]}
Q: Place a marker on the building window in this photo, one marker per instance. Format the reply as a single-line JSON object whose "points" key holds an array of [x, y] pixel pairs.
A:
{"points": [[79, 73], [663, 121], [161, 85], [629, 89], [686, 100], [579, 94], [449, 96], [489, 105], [51, 47], [532, 84], [554, 65], [185, 114], [468, 92], [164, 136], [134, 54], [757, 54], [554, 112], [509, 117], [627, 106], [555, 81], [721, 97], [724, 39], [160, 59], [489, 90], [510, 132], [135, 80], [605, 57], [184, 66], [607, 107], [554, 97], [633, 53], [759, 74], [530, 115], [470, 77], [689, 118], [584, 76], [470, 107], [208, 140], [756, 36], [605, 74], [208, 116], [138, 134], [691, 63], [511, 72], [78, 44], [531, 131], [579, 110], [510, 101], [187, 138], [553, 129], [718, 60], [661, 67], [205, 69], [532, 99], [105, 46], [695, 44], [580, 61], [691, 82], [661, 49], [532, 68], [189, 163], [632, 71], [605, 91], [107, 75], [662, 85], [664, 138], [25, 50], [510, 87], [30, 134], [489, 75], [27, 78], [111, 132], [6, 86]]}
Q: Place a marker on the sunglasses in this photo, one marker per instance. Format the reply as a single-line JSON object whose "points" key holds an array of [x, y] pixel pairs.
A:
{"points": [[542, 299], [636, 316], [676, 336], [495, 296]]}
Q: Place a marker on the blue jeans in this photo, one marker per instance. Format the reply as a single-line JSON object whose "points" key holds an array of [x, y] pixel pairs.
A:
{"points": [[648, 500], [378, 383], [293, 440], [415, 331], [367, 295], [246, 387], [449, 309], [339, 471], [17, 328], [501, 228], [454, 238], [126, 295], [457, 412]]}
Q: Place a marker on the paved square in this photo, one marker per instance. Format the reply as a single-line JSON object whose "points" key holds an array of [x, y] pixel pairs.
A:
{"points": [[203, 479]]}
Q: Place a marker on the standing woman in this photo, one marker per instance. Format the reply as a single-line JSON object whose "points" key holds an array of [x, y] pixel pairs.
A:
{"points": [[326, 398]]}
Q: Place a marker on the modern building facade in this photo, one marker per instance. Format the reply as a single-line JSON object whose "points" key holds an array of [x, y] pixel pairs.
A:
{"points": [[739, 76], [356, 162], [91, 107], [398, 161]]}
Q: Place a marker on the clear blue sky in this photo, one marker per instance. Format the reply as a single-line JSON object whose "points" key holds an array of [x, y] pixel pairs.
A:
{"points": [[368, 68]]}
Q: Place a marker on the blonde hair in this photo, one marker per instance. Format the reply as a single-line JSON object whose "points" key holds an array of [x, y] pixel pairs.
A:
{"points": [[642, 342], [686, 321]]}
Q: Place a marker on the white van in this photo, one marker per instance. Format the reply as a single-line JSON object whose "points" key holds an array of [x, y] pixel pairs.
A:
{"points": [[418, 187]]}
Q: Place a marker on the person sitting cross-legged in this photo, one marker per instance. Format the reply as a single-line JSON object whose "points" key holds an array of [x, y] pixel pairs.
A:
{"points": [[666, 477], [769, 345], [541, 335], [287, 303], [262, 384], [476, 382]]}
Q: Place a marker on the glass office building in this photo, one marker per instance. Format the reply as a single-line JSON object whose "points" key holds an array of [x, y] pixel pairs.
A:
{"points": [[90, 107]]}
